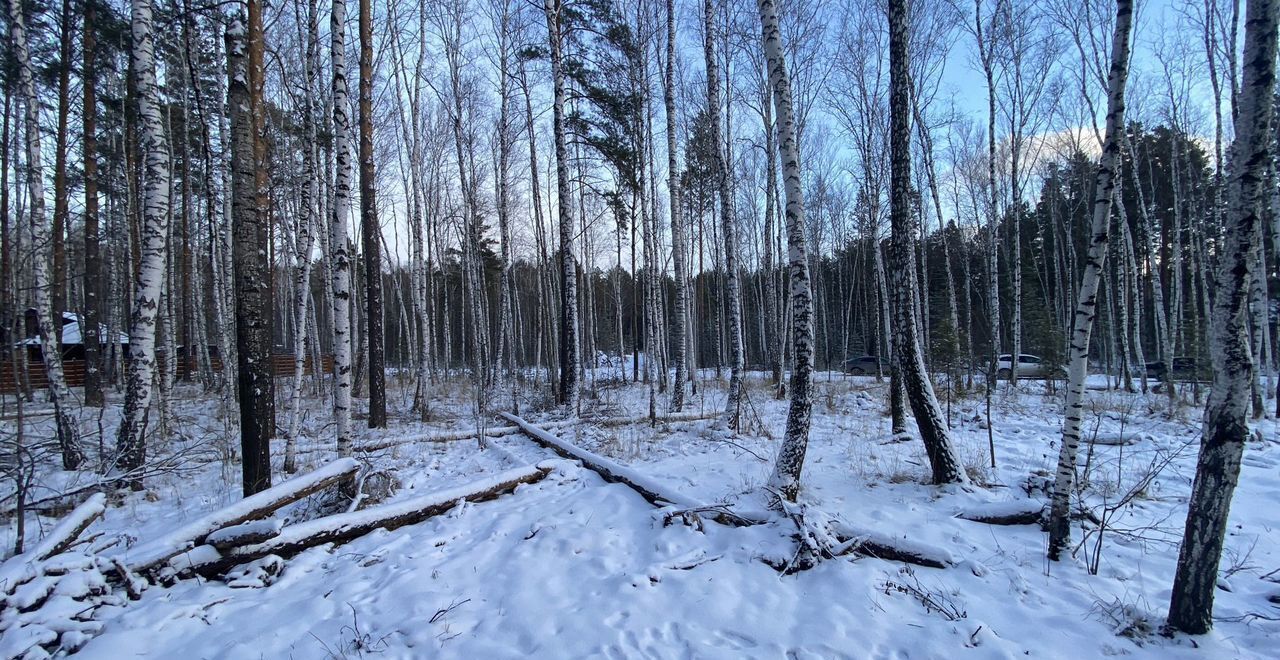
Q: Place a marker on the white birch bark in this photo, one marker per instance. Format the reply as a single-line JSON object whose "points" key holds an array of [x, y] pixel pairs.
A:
{"points": [[305, 238], [155, 223], [943, 458], [677, 223], [1226, 425], [569, 357], [728, 228], [340, 255], [49, 319], [1087, 298], [785, 479]]}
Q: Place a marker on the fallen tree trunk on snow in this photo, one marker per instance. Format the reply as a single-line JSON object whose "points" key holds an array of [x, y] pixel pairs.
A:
{"points": [[19, 569], [609, 470], [65, 533], [1013, 512], [883, 546], [343, 527], [870, 544], [148, 556]]}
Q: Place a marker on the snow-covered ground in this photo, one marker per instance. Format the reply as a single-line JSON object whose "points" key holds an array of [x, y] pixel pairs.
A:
{"points": [[572, 566]]}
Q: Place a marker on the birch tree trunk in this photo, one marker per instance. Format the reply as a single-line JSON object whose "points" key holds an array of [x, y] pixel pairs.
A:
{"points": [[152, 245], [340, 255], [943, 458], [1226, 426], [93, 395], [370, 230], [987, 56], [790, 462], [49, 327], [569, 359], [680, 321], [728, 229], [306, 225], [1087, 299]]}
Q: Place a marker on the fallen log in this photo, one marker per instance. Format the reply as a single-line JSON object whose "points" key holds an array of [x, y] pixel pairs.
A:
{"points": [[65, 533], [870, 544], [1012, 512], [249, 533], [656, 494], [343, 527], [22, 568], [150, 555], [882, 546]]}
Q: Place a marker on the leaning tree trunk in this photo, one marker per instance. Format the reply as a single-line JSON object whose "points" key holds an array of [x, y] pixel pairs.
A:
{"points": [[943, 458], [1087, 299], [786, 471], [60, 395], [1225, 417], [728, 229], [370, 231], [569, 360], [255, 381], [340, 255], [153, 246]]}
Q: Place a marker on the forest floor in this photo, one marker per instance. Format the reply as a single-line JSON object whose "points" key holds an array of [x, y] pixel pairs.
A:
{"points": [[575, 567]]}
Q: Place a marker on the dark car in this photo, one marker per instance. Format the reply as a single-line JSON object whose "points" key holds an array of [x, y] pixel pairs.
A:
{"points": [[1184, 369], [862, 366]]}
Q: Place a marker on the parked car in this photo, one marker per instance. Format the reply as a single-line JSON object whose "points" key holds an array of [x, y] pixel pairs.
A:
{"points": [[1184, 369], [865, 365], [1029, 366]]}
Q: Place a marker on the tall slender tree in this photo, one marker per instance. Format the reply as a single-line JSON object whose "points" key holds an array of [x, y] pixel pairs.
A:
{"points": [[728, 227], [569, 359], [1087, 298], [1226, 413], [93, 395], [255, 377], [790, 462], [339, 252], [370, 230], [680, 321], [152, 244], [49, 331], [943, 458]]}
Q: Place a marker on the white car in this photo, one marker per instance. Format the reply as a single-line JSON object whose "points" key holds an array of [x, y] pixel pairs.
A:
{"points": [[1029, 366]]}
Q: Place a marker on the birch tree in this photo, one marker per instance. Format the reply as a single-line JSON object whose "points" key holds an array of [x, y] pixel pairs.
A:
{"points": [[370, 230], [680, 321], [1087, 297], [153, 246], [943, 458], [1225, 428], [49, 329], [305, 226], [569, 359], [93, 395], [340, 255], [785, 479], [728, 229]]}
